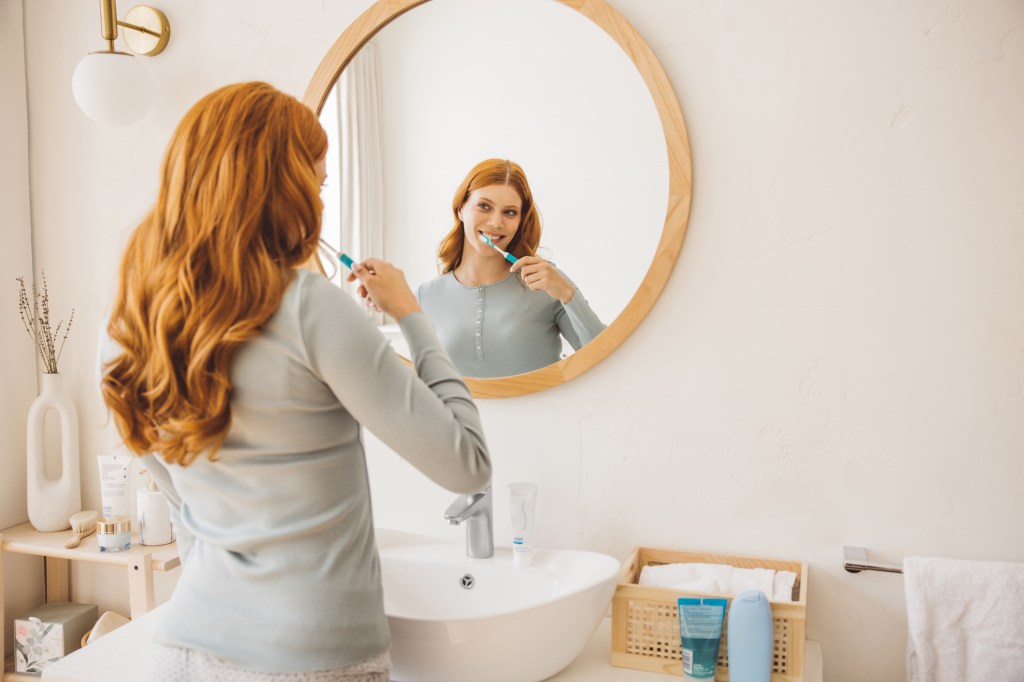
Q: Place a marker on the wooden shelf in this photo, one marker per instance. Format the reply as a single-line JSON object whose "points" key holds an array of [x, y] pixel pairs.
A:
{"points": [[140, 561], [25, 539]]}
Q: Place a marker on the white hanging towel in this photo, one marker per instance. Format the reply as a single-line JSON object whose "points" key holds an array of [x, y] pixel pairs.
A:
{"points": [[965, 620]]}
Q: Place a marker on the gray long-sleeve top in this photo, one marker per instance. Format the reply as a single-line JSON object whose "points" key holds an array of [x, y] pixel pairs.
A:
{"points": [[501, 329], [283, 572]]}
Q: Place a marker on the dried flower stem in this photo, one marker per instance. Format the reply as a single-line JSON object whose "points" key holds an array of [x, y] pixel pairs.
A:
{"points": [[36, 319]]}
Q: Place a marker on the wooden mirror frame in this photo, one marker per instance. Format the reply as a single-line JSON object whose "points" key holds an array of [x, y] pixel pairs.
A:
{"points": [[680, 172]]}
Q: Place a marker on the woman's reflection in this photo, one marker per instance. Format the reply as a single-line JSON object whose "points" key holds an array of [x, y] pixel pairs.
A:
{"points": [[495, 319]]}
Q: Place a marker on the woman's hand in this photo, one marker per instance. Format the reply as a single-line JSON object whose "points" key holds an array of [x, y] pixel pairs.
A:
{"points": [[384, 288], [540, 275]]}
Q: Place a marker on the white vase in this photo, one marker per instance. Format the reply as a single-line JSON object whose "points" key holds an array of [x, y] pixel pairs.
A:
{"points": [[52, 501]]}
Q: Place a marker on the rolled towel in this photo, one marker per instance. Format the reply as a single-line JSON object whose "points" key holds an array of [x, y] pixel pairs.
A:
{"points": [[782, 586], [746, 579], [720, 579], [713, 578]]}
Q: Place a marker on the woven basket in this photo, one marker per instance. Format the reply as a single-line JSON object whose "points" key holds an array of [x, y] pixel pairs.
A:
{"points": [[645, 620]]}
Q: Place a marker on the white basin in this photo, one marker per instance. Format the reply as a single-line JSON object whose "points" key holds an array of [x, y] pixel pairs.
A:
{"points": [[511, 625]]}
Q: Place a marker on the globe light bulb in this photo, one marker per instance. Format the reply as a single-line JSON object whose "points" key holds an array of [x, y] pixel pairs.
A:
{"points": [[112, 88]]}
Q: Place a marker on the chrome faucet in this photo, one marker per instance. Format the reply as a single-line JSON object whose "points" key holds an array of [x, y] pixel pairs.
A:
{"points": [[477, 511]]}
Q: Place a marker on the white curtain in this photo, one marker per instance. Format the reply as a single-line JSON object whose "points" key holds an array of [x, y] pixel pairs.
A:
{"points": [[359, 156]]}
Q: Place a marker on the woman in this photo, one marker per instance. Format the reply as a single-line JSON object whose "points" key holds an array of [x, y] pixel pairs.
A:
{"points": [[249, 377], [493, 319]]}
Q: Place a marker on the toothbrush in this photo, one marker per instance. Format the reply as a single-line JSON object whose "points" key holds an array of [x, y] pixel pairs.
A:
{"points": [[329, 251], [508, 256], [340, 255], [346, 261]]}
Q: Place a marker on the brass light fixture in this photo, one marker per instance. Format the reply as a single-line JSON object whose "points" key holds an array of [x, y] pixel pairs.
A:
{"points": [[113, 87]]}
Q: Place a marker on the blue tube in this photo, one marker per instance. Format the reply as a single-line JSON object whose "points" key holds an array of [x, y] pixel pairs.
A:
{"points": [[700, 627]]}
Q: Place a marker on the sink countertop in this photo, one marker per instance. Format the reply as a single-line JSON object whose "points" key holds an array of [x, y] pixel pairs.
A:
{"points": [[592, 664], [121, 657]]}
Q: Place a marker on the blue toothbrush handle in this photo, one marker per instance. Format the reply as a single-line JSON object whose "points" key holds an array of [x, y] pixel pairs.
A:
{"points": [[348, 262]]}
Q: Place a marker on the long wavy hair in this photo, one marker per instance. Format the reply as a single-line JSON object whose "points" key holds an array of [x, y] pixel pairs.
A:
{"points": [[238, 209], [485, 174]]}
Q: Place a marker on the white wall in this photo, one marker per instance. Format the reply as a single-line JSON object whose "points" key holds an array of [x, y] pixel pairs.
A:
{"points": [[23, 584], [837, 358]]}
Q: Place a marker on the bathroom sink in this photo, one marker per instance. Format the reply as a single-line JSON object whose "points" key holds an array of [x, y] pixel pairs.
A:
{"points": [[455, 619]]}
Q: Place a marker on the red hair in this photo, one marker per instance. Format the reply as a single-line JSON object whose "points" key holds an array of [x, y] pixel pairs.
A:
{"points": [[238, 209], [485, 174]]}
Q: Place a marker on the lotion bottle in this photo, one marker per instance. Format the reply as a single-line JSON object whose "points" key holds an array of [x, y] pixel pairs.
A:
{"points": [[750, 638], [154, 514]]}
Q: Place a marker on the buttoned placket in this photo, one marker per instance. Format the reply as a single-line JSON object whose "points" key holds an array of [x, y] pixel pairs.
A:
{"points": [[479, 326]]}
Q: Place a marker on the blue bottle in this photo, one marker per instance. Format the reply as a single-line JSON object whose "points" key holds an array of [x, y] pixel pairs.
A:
{"points": [[750, 638]]}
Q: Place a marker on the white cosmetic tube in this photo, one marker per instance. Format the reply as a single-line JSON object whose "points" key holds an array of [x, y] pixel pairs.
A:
{"points": [[114, 484], [523, 502]]}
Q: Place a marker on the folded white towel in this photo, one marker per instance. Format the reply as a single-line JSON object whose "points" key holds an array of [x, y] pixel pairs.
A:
{"points": [[711, 577], [965, 620], [782, 586], [745, 579], [720, 579]]}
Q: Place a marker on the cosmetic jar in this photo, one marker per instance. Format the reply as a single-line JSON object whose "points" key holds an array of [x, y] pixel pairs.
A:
{"points": [[114, 533]]}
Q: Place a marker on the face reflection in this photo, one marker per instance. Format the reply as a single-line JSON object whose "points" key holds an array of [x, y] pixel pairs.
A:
{"points": [[494, 210]]}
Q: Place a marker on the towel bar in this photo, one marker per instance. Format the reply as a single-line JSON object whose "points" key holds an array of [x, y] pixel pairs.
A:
{"points": [[855, 560]]}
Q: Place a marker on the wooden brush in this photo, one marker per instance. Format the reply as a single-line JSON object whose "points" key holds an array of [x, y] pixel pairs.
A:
{"points": [[83, 524]]}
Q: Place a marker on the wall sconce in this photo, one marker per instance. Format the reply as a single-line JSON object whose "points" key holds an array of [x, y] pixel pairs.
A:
{"points": [[113, 87]]}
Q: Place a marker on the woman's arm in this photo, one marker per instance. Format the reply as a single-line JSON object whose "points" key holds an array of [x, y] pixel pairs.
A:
{"points": [[541, 275], [428, 416], [578, 322]]}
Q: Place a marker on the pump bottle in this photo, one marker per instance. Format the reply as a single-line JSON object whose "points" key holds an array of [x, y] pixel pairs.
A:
{"points": [[154, 514]]}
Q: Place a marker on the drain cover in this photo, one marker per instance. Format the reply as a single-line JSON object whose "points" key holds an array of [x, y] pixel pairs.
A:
{"points": [[467, 581]]}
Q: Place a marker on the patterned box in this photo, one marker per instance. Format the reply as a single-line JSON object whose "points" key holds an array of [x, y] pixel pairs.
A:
{"points": [[50, 632]]}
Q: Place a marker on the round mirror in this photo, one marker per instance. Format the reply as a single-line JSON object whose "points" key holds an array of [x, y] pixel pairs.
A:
{"points": [[567, 90]]}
